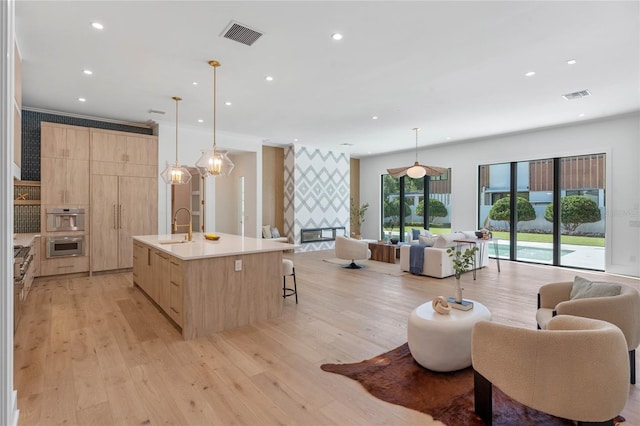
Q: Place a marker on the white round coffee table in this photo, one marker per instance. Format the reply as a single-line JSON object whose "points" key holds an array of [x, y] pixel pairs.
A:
{"points": [[443, 342]]}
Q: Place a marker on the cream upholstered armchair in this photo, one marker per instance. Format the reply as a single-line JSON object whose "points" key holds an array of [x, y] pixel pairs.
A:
{"points": [[576, 369], [351, 249], [622, 310]]}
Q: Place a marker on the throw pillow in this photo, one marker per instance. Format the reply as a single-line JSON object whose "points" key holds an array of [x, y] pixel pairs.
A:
{"points": [[274, 232], [583, 288], [266, 231], [428, 240], [415, 233], [425, 233], [446, 241]]}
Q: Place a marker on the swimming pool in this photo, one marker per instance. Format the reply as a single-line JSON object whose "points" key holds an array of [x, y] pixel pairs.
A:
{"points": [[539, 254]]}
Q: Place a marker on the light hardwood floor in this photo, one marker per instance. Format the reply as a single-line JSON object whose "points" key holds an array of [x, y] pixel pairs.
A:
{"points": [[96, 351]]}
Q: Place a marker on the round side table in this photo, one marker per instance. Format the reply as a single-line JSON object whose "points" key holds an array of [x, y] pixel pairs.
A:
{"points": [[443, 342]]}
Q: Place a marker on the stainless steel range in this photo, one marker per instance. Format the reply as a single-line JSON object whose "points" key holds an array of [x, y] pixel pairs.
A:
{"points": [[21, 261]]}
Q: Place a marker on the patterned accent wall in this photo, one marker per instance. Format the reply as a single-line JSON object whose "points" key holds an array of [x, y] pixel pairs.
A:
{"points": [[316, 193]]}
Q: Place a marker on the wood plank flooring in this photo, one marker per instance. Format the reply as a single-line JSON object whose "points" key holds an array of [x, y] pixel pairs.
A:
{"points": [[96, 351]]}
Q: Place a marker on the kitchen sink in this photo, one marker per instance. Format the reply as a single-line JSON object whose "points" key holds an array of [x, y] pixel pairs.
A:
{"points": [[174, 242]]}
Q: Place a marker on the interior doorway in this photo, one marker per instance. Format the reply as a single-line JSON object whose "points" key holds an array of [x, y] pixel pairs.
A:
{"points": [[190, 196]]}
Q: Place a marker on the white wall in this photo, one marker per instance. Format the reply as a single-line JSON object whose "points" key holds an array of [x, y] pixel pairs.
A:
{"points": [[191, 141], [618, 138], [227, 196]]}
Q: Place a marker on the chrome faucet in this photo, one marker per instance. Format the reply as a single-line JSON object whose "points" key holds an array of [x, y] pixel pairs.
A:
{"points": [[176, 226]]}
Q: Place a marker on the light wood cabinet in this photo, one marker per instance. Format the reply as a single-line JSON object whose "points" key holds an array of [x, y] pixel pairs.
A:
{"points": [[176, 298], [64, 169], [161, 267], [123, 154], [121, 206], [141, 266]]}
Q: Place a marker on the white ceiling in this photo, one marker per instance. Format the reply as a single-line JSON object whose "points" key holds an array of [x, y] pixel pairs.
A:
{"points": [[455, 69]]}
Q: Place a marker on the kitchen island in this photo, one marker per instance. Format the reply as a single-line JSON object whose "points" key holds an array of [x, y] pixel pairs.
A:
{"points": [[208, 286]]}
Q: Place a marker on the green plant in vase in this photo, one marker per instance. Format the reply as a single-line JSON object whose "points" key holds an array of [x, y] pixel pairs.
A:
{"points": [[462, 262]]}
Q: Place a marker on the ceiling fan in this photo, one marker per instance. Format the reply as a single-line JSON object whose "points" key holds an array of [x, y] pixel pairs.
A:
{"points": [[417, 170]]}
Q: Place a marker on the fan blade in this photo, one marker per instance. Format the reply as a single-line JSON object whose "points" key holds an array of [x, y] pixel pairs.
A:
{"points": [[434, 170], [398, 172]]}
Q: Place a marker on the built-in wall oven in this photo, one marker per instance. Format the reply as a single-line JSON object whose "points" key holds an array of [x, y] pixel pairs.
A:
{"points": [[65, 245]]}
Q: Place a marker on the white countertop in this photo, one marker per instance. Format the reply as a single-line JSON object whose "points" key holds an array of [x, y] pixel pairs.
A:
{"points": [[200, 248], [24, 240]]}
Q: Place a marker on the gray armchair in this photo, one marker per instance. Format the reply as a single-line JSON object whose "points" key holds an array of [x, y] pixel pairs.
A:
{"points": [[575, 369], [622, 310]]}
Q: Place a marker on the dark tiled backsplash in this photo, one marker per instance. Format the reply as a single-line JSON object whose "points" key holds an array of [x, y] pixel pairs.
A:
{"points": [[26, 219]]}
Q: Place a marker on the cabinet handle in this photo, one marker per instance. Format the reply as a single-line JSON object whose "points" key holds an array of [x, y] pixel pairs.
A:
{"points": [[119, 216], [115, 224], [176, 284], [177, 312]]}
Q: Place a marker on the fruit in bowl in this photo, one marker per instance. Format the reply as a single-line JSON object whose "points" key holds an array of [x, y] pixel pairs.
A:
{"points": [[212, 237]]}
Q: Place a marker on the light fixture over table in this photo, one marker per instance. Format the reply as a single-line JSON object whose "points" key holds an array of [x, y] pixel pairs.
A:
{"points": [[175, 174], [417, 170], [216, 162]]}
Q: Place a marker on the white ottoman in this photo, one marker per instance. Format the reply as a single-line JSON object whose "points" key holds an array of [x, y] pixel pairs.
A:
{"points": [[443, 342]]}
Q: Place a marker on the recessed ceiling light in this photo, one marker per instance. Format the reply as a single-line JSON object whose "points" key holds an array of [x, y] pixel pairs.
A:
{"points": [[296, 139], [82, 100], [571, 62], [375, 117], [346, 144], [97, 25], [336, 36], [200, 120], [448, 138], [580, 115], [530, 73], [268, 78], [195, 83], [87, 72], [227, 103]]}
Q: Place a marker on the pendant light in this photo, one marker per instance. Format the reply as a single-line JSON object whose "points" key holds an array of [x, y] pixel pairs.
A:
{"points": [[175, 174], [417, 170], [214, 163]]}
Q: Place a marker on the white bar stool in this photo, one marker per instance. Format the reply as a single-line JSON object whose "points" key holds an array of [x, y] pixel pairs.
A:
{"points": [[289, 270]]}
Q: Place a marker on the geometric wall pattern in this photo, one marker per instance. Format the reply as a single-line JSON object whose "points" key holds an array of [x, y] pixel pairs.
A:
{"points": [[316, 193]]}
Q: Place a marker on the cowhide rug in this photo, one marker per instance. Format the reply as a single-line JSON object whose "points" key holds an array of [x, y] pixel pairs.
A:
{"points": [[395, 377]]}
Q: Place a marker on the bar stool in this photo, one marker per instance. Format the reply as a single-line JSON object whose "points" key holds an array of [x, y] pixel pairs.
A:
{"points": [[288, 270]]}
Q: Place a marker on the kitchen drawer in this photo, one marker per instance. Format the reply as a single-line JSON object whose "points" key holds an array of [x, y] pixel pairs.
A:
{"points": [[64, 265]]}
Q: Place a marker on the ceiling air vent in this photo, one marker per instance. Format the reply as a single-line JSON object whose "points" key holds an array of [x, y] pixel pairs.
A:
{"points": [[576, 95], [241, 33]]}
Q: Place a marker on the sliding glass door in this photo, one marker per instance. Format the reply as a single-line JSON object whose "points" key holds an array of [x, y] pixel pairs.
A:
{"points": [[548, 211], [404, 207]]}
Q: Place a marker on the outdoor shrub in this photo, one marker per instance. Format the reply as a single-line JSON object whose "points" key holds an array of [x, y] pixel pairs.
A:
{"points": [[436, 209], [501, 210], [574, 211]]}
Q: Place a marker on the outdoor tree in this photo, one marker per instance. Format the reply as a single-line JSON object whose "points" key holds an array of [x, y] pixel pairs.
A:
{"points": [[436, 209], [501, 210], [574, 211]]}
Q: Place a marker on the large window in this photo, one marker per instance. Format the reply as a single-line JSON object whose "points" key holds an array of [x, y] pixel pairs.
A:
{"points": [[404, 207], [546, 211]]}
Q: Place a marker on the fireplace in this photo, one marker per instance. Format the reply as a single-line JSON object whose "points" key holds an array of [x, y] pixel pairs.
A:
{"points": [[314, 235]]}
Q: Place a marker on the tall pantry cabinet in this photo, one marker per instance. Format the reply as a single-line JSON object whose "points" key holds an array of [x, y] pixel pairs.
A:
{"points": [[124, 195]]}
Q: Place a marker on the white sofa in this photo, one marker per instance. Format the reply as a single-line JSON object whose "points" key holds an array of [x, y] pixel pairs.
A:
{"points": [[437, 262], [268, 231]]}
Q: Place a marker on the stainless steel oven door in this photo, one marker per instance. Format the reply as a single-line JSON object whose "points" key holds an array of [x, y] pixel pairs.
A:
{"points": [[65, 220], [65, 246]]}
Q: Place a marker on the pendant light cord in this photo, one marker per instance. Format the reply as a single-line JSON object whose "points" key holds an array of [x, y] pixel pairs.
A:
{"points": [[177, 99], [214, 108], [416, 129]]}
